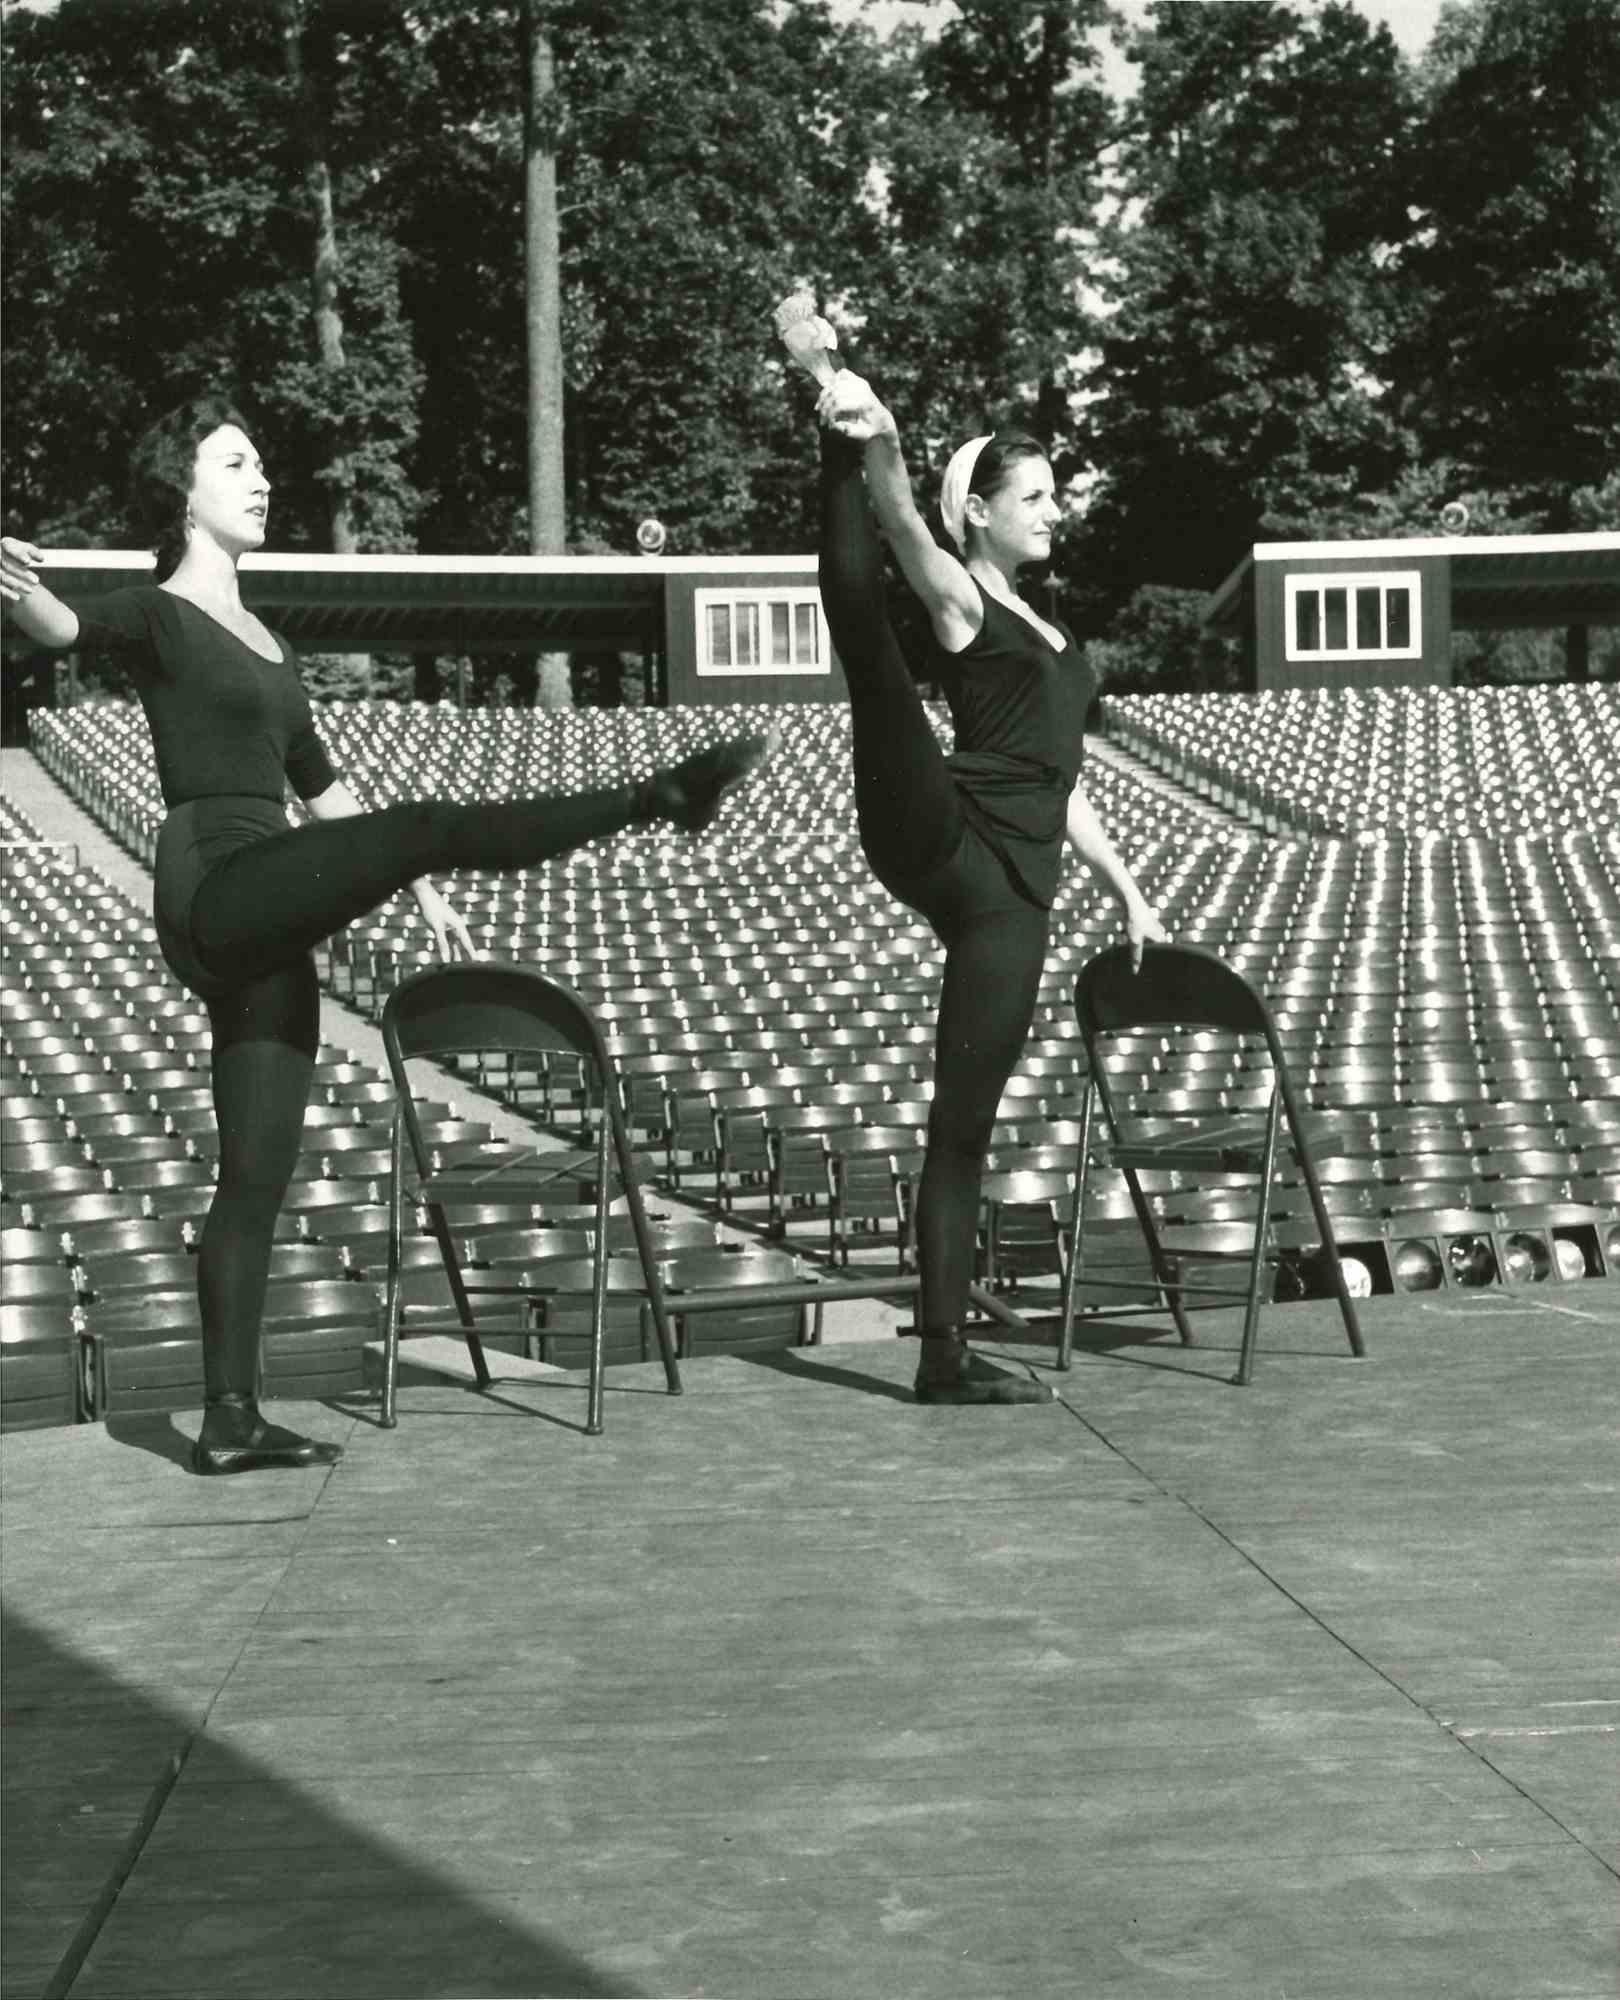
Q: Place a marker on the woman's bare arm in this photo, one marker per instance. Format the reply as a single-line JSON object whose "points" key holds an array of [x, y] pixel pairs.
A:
{"points": [[34, 610], [948, 593]]}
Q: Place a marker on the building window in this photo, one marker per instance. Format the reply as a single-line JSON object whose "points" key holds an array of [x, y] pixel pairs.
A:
{"points": [[1376, 615], [761, 632]]}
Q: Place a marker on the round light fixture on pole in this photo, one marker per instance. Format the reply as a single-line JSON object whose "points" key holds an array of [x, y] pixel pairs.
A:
{"points": [[651, 536], [1454, 518]]}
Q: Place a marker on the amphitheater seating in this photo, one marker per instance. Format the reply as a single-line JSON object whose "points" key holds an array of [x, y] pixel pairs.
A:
{"points": [[1492, 762], [1425, 886]]}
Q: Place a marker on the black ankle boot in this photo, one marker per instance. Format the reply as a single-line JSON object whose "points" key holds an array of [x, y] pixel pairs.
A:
{"points": [[235, 1438], [690, 793], [950, 1373]]}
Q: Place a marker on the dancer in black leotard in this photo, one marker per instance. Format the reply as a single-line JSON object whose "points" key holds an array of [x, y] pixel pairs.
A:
{"points": [[239, 897], [972, 842]]}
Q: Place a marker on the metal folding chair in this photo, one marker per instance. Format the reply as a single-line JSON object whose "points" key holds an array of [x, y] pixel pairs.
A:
{"points": [[487, 1006], [1187, 986]]}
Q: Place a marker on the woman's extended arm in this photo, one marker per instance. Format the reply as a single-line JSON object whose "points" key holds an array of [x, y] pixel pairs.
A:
{"points": [[849, 407], [34, 610], [447, 926], [1089, 841]]}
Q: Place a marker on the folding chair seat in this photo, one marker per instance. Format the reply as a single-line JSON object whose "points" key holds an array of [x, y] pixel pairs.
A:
{"points": [[533, 1244], [1024, 1234], [346, 1164], [29, 1246], [119, 1274], [799, 1180], [873, 1171], [1179, 984], [40, 1365], [690, 1140], [121, 1236], [731, 1318], [154, 1176], [34, 1282], [24, 1181], [490, 1006], [145, 1347]]}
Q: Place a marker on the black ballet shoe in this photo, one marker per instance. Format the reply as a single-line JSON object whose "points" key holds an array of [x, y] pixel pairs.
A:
{"points": [[235, 1438], [690, 793], [972, 1379]]}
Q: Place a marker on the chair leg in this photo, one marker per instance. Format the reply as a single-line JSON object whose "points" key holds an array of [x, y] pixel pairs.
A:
{"points": [[1169, 1288], [599, 1273], [649, 1260], [391, 1306], [1071, 1277]]}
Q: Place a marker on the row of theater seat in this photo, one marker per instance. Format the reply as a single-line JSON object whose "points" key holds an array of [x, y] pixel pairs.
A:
{"points": [[771, 1007], [1457, 761]]}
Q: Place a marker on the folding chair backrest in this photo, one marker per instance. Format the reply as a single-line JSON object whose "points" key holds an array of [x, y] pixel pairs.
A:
{"points": [[1177, 983], [485, 1005], [456, 1009]]}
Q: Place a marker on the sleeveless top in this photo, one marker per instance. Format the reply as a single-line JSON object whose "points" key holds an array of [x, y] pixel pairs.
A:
{"points": [[1018, 707]]}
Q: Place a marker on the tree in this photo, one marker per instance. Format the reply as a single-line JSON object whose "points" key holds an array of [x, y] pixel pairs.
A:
{"points": [[147, 260], [1238, 388], [988, 149], [1508, 364]]}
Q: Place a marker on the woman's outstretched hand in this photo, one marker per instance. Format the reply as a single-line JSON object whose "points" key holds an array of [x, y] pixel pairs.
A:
{"points": [[848, 406], [1142, 927], [19, 565], [450, 932]]}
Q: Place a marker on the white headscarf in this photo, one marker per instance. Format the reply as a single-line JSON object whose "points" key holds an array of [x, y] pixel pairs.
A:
{"points": [[953, 489]]}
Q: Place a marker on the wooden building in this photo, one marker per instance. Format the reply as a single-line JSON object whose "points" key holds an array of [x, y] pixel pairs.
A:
{"points": [[1381, 613], [709, 629]]}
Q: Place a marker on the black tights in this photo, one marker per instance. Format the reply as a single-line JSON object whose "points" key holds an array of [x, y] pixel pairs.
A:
{"points": [[922, 850], [254, 919]]}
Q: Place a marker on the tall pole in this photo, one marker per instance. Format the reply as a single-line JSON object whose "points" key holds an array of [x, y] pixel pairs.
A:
{"points": [[542, 249]]}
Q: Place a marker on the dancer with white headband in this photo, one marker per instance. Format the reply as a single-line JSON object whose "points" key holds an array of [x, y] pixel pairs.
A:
{"points": [[973, 842]]}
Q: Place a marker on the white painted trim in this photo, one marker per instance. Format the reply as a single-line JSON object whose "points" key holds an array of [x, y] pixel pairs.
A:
{"points": [[1313, 582], [703, 601], [1438, 545], [429, 566]]}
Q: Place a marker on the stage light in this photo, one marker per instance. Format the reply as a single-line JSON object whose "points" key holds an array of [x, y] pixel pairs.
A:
{"points": [[1417, 1268], [1525, 1260], [1472, 1260], [1357, 1278], [1570, 1257]]}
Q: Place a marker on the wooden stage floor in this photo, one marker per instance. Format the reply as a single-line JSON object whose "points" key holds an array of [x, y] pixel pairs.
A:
{"points": [[792, 1688]]}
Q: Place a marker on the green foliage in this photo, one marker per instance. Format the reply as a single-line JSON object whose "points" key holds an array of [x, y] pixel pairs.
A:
{"points": [[987, 158], [1236, 384], [1291, 288], [1509, 359], [1158, 643]]}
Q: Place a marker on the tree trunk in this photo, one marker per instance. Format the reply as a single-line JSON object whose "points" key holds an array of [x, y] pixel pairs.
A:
{"points": [[325, 270], [542, 253]]}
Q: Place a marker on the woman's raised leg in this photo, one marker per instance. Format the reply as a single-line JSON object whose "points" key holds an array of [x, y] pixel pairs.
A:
{"points": [[906, 806], [271, 902]]}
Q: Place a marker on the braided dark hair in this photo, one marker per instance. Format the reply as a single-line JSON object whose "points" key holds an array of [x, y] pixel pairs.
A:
{"points": [[161, 470]]}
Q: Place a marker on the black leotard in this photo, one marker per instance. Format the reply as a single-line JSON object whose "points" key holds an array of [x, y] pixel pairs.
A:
{"points": [[229, 729], [224, 719], [1018, 706]]}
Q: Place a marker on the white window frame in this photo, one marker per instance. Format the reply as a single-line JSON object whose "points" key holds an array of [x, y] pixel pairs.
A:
{"points": [[1315, 583], [764, 598]]}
